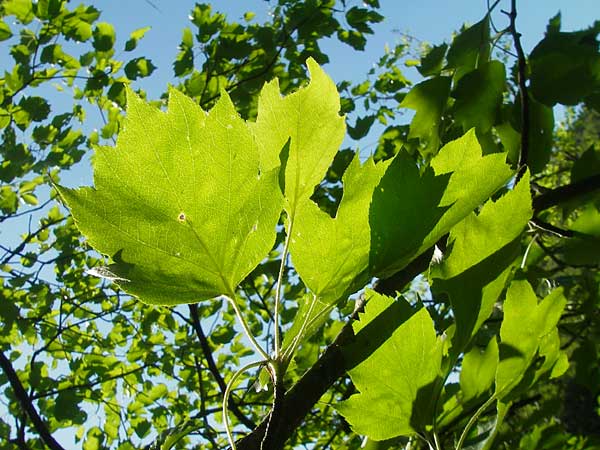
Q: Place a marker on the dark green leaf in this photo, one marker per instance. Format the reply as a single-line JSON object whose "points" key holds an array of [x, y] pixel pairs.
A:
{"points": [[565, 67]]}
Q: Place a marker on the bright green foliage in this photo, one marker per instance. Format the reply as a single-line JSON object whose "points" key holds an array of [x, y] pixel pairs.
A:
{"points": [[400, 366], [331, 255], [156, 374], [427, 205], [481, 250], [309, 119], [181, 204], [525, 330]]}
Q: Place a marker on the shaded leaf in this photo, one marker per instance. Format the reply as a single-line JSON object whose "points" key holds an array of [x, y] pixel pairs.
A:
{"points": [[478, 96], [458, 180], [481, 249], [396, 376], [428, 99], [565, 67]]}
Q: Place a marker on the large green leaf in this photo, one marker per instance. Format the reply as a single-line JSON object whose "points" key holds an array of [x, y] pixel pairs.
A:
{"points": [[330, 252], [309, 119], [181, 203], [481, 250], [331, 255], [411, 211], [394, 368]]}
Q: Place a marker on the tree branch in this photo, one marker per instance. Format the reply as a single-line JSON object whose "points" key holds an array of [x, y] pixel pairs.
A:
{"points": [[212, 366], [523, 93], [27, 404], [566, 193]]}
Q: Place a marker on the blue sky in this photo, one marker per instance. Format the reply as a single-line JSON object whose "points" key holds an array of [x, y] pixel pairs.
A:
{"points": [[433, 21]]}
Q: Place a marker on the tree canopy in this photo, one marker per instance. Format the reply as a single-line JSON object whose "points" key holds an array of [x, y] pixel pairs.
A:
{"points": [[239, 274]]}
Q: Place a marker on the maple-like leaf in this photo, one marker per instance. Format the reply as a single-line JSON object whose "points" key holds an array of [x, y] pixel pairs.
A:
{"points": [[181, 204], [308, 121]]}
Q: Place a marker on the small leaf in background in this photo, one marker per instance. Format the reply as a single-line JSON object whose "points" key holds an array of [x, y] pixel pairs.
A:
{"points": [[139, 68], [565, 67], [104, 37], [432, 62], [5, 32], [180, 204], [394, 368], [134, 37], [428, 99]]}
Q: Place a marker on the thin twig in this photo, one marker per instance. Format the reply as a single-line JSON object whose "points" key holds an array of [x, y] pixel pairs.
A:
{"points": [[523, 93]]}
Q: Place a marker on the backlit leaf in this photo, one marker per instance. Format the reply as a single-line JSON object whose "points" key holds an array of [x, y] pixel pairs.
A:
{"points": [[181, 204], [309, 119]]}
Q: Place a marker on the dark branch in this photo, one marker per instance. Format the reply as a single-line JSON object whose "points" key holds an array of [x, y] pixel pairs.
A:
{"points": [[523, 94], [566, 193], [27, 405], [212, 366]]}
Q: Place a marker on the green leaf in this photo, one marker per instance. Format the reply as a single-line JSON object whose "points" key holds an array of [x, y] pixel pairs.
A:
{"points": [[470, 48], [565, 67], [481, 249], [433, 61], [309, 119], [139, 68], [327, 252], [21, 9], [5, 32], [478, 370], [134, 37], [398, 371], [478, 96], [331, 255], [520, 343], [104, 37], [428, 99], [458, 181], [182, 206], [361, 127]]}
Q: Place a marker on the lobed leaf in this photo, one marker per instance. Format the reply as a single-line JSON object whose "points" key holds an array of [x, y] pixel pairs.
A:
{"points": [[410, 211], [397, 369], [180, 204], [309, 119]]}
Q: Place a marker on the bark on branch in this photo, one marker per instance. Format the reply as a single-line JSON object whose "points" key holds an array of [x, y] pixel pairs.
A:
{"points": [[27, 404]]}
